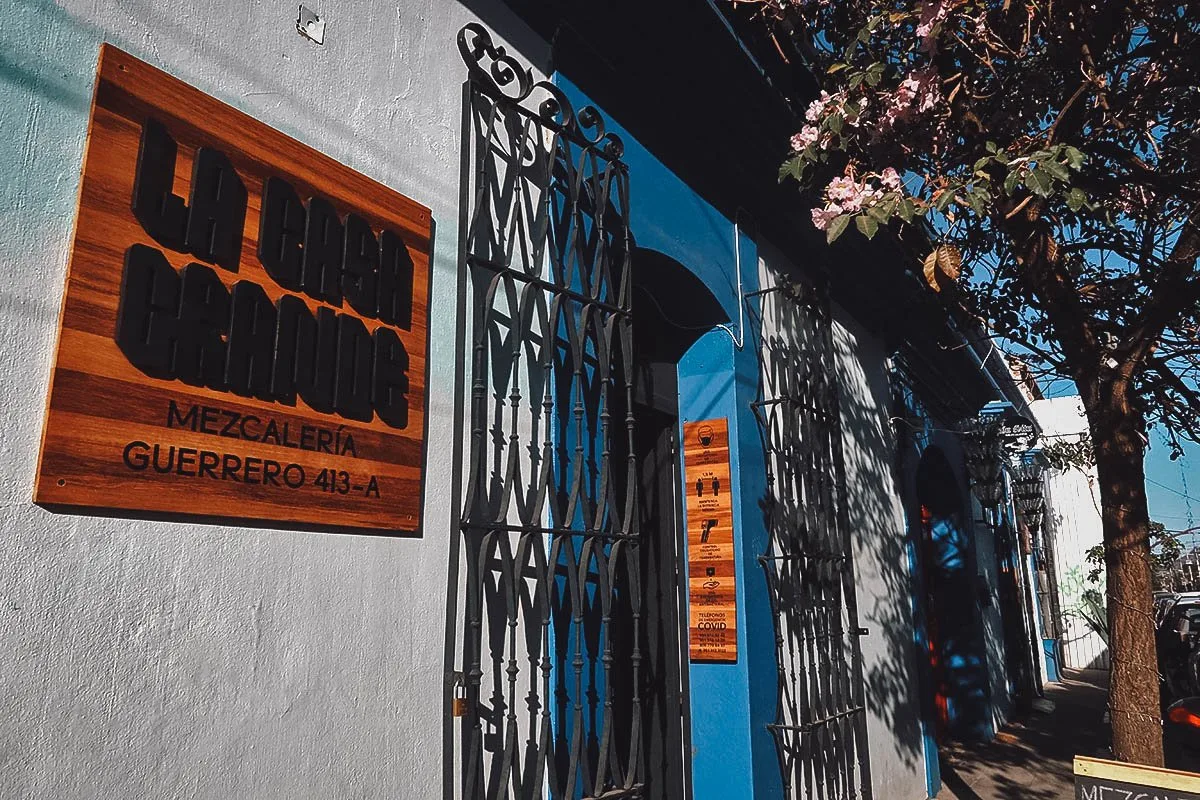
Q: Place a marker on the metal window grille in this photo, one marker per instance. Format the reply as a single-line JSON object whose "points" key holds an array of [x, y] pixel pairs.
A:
{"points": [[820, 725], [551, 662]]}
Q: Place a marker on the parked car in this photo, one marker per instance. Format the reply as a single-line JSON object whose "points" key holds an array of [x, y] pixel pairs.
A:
{"points": [[1177, 640]]}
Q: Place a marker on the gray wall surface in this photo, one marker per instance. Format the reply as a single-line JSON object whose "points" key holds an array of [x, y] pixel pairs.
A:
{"points": [[157, 659], [881, 565]]}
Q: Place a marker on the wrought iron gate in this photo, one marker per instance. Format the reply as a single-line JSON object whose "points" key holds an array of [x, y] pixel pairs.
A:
{"points": [[820, 725], [551, 676]]}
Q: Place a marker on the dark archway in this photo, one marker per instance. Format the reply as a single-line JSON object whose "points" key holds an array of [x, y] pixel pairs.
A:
{"points": [[673, 308], [957, 654]]}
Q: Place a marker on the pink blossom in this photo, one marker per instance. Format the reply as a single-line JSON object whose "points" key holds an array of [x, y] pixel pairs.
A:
{"points": [[821, 217], [817, 107], [919, 92], [890, 178], [848, 193], [840, 189], [933, 13], [808, 135]]}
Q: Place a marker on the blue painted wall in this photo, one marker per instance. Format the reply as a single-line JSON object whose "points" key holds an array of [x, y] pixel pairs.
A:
{"points": [[733, 753]]}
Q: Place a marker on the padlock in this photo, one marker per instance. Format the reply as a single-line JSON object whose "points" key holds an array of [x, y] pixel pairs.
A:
{"points": [[458, 706]]}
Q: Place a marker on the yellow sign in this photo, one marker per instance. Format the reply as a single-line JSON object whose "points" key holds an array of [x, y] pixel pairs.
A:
{"points": [[1096, 779]]}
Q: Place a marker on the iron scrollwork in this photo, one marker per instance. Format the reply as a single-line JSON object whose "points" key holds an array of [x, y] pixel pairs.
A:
{"points": [[550, 625]]}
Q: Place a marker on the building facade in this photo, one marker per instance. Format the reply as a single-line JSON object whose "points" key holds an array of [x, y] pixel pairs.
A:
{"points": [[695, 517]]}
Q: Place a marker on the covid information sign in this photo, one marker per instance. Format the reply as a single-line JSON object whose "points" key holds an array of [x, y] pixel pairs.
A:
{"points": [[244, 328], [712, 585]]}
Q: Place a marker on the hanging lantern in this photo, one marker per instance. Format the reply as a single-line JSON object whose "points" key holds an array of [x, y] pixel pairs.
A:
{"points": [[985, 460], [1028, 494]]}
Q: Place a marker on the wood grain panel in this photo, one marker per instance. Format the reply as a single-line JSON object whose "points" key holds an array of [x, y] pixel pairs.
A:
{"points": [[712, 580], [107, 418]]}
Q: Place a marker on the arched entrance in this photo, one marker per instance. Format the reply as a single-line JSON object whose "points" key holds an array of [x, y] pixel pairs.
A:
{"points": [[673, 308], [954, 622]]}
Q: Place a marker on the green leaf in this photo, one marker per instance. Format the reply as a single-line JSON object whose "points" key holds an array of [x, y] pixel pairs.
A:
{"points": [[1010, 182], [1056, 170], [875, 73], [835, 123], [981, 163], [1075, 157], [1002, 157], [883, 211], [838, 67], [793, 167], [1076, 199], [907, 209], [944, 198], [1039, 182], [836, 227], [867, 226], [978, 203], [992, 147]]}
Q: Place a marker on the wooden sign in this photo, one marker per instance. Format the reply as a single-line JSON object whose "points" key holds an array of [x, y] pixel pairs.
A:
{"points": [[1097, 779], [712, 597], [244, 327]]}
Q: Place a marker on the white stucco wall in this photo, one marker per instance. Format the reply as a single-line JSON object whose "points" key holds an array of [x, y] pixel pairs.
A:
{"points": [[881, 564], [880, 557], [158, 659], [1074, 522]]}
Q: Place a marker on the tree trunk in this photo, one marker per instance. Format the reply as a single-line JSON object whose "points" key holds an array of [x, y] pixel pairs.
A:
{"points": [[1134, 693]]}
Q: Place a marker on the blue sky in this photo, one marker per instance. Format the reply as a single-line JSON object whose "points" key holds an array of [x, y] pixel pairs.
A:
{"points": [[1172, 487]]}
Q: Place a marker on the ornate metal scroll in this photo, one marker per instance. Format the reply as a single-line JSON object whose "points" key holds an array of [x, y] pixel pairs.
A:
{"points": [[550, 540], [820, 725]]}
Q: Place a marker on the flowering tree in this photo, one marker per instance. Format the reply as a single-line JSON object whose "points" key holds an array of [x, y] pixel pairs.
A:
{"points": [[1052, 147]]}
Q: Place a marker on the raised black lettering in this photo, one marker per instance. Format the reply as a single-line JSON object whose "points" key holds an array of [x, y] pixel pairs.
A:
{"points": [[146, 311], [252, 333], [352, 395], [323, 238], [270, 472], [203, 318], [217, 210], [281, 233], [163, 214], [316, 368], [395, 284], [389, 378], [360, 263]]}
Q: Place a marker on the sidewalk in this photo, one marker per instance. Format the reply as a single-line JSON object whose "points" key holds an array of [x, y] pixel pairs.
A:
{"points": [[1032, 757]]}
